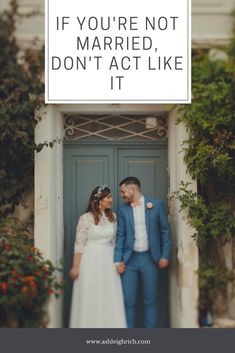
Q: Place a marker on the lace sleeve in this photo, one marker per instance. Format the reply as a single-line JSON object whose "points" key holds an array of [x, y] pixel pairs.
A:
{"points": [[81, 233]]}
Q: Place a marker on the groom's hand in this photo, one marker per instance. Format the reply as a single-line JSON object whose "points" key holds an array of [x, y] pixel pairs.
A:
{"points": [[163, 263], [120, 268]]}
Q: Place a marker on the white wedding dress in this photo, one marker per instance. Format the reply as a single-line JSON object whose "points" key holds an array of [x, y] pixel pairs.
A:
{"points": [[97, 299]]}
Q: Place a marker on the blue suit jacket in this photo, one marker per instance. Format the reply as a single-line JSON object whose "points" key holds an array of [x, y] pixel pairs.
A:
{"points": [[157, 229]]}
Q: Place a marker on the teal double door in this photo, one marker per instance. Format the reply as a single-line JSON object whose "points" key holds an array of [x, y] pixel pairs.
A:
{"points": [[86, 166]]}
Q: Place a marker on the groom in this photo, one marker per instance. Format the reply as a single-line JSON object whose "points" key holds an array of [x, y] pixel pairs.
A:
{"points": [[142, 248]]}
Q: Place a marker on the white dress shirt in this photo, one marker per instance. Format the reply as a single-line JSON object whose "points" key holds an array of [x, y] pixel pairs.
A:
{"points": [[141, 236]]}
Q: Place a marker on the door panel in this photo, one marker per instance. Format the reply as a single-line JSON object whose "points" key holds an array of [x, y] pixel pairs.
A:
{"points": [[89, 166], [149, 165], [85, 168]]}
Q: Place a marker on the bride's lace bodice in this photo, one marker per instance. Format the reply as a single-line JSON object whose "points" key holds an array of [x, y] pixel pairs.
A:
{"points": [[87, 231]]}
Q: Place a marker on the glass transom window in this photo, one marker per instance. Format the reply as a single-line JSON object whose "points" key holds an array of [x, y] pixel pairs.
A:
{"points": [[115, 127]]}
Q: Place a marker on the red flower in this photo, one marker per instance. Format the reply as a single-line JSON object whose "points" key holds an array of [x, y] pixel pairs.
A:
{"points": [[30, 258], [5, 231], [25, 290], [50, 290], [4, 287], [5, 247], [15, 273], [33, 284]]}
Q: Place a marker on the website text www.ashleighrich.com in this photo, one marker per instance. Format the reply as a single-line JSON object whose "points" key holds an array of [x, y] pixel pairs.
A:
{"points": [[117, 341]]}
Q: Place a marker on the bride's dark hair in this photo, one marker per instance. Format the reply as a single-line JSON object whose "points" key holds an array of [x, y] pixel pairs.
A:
{"points": [[99, 193]]}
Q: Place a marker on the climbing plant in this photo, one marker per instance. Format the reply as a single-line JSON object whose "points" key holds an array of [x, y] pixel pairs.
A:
{"points": [[210, 157], [21, 87]]}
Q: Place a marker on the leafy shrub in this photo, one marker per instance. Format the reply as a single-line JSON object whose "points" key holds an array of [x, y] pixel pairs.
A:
{"points": [[27, 280]]}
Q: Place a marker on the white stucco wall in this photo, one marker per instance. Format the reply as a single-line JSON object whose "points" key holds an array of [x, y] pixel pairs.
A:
{"points": [[211, 20], [48, 196], [184, 279]]}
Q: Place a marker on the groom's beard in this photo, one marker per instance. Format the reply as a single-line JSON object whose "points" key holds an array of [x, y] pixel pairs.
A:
{"points": [[127, 200]]}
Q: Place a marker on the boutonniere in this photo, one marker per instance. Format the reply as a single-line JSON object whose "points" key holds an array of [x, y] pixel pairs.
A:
{"points": [[149, 205]]}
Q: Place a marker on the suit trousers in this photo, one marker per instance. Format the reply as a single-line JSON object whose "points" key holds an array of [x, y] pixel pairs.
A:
{"points": [[141, 267]]}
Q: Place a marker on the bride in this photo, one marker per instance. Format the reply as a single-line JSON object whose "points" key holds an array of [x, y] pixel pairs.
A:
{"points": [[97, 299]]}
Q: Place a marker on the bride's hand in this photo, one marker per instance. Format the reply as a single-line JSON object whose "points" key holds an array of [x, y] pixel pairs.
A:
{"points": [[74, 273]]}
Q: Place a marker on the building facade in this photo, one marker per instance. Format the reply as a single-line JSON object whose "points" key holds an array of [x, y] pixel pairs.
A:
{"points": [[104, 143]]}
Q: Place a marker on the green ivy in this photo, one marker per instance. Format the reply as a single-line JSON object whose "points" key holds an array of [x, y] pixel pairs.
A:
{"points": [[210, 119], [21, 88], [209, 155]]}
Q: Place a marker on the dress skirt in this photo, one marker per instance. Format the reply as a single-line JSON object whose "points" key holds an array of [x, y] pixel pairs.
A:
{"points": [[97, 299]]}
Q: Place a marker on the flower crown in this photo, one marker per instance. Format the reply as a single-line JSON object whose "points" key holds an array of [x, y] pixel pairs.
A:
{"points": [[100, 189]]}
